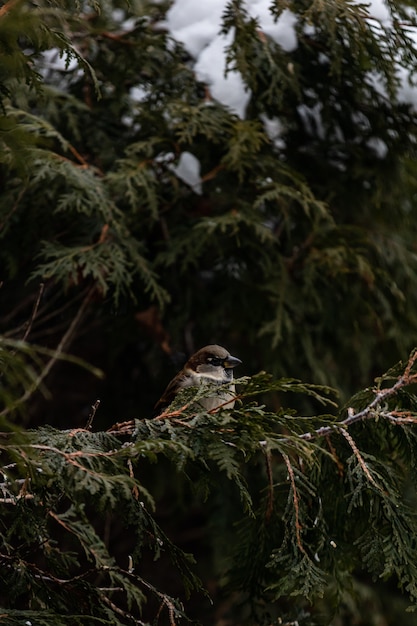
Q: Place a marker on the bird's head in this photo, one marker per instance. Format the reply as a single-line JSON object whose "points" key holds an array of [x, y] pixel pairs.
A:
{"points": [[213, 362]]}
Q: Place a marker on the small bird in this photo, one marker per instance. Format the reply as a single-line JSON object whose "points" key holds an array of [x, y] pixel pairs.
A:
{"points": [[210, 365]]}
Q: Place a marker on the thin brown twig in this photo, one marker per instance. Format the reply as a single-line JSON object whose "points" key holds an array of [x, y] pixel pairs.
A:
{"points": [[6, 7], [78, 156], [361, 460], [120, 611], [70, 456], [15, 500], [135, 489], [407, 372], [182, 423], [59, 350], [368, 412], [48, 577], [123, 428], [34, 311], [57, 311], [172, 414], [40, 574], [169, 414], [296, 503], [270, 504], [92, 414], [333, 452], [399, 417], [37, 572], [171, 610], [223, 404], [120, 38]]}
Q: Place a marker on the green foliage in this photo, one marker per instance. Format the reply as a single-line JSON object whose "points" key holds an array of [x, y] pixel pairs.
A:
{"points": [[67, 478], [331, 501], [93, 196], [298, 255]]}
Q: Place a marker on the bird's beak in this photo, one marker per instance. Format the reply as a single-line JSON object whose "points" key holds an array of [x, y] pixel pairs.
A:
{"points": [[231, 361]]}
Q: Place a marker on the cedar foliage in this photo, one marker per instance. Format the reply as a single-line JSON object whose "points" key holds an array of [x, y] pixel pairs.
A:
{"points": [[298, 255]]}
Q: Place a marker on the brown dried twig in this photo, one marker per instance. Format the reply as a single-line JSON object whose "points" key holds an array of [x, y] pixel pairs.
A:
{"points": [[270, 502], [63, 344], [34, 311], [360, 458], [369, 412], [92, 414], [296, 502]]}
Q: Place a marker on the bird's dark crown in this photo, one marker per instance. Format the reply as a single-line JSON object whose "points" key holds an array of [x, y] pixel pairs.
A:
{"points": [[213, 355]]}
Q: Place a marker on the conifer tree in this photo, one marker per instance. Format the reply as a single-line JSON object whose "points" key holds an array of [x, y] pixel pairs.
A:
{"points": [[298, 254]]}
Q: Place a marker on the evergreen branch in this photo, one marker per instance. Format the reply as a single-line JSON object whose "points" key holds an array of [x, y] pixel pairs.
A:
{"points": [[119, 611], [166, 600], [370, 411], [298, 527], [14, 207], [182, 415], [71, 456], [48, 577], [359, 457], [399, 417]]}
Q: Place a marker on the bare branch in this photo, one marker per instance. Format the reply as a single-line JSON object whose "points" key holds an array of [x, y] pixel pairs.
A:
{"points": [[66, 339], [15, 500], [120, 611], [370, 412], [7, 7], [34, 311], [92, 414]]}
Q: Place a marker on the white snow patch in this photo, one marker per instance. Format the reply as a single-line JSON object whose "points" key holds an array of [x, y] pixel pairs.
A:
{"points": [[273, 128], [312, 120], [197, 26], [188, 170], [138, 94], [378, 146], [282, 31], [229, 89], [51, 60]]}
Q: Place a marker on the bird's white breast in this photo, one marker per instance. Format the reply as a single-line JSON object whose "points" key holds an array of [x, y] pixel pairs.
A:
{"points": [[223, 398]]}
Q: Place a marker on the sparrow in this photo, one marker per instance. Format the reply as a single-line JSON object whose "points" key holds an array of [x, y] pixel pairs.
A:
{"points": [[210, 365]]}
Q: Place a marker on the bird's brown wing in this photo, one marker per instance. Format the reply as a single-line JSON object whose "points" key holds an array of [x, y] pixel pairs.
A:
{"points": [[170, 392]]}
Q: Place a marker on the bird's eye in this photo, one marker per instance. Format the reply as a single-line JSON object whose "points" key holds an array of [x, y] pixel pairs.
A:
{"points": [[215, 360]]}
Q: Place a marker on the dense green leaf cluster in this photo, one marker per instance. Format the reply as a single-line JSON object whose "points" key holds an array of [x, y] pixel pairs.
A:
{"points": [[313, 224], [321, 509], [295, 249]]}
